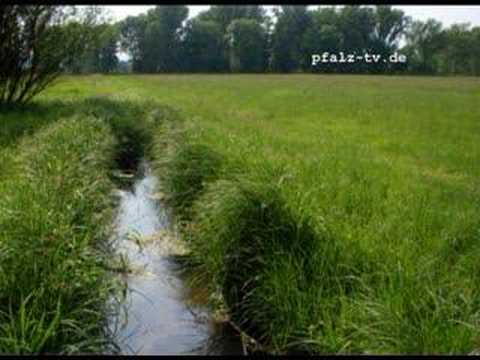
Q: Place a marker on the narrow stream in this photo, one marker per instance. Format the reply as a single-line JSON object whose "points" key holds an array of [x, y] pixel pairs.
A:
{"points": [[159, 314]]}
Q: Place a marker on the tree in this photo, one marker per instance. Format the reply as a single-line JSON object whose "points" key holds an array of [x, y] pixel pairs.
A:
{"points": [[424, 42], [162, 37], [37, 42], [323, 35], [390, 24], [153, 40], [100, 54], [475, 57], [107, 60], [292, 22], [247, 40], [357, 26], [132, 40], [92, 22], [203, 47], [458, 50], [224, 15]]}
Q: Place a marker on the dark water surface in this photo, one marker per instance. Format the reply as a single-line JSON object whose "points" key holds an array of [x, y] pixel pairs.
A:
{"points": [[160, 313]]}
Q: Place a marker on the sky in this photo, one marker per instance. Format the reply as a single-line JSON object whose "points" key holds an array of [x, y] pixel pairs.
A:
{"points": [[448, 15]]}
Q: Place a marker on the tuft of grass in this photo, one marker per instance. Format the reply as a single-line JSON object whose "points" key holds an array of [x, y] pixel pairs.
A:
{"points": [[246, 237], [16, 122], [129, 122], [184, 165], [278, 268], [54, 211]]}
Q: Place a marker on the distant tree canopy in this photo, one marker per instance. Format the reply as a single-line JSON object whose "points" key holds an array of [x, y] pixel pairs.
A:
{"points": [[292, 22], [243, 38], [203, 48], [100, 52], [247, 46]]}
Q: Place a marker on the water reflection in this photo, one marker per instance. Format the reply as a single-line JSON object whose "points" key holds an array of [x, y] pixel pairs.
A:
{"points": [[156, 315]]}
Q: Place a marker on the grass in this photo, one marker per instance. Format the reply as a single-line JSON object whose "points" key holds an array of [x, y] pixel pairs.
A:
{"points": [[53, 210], [185, 167], [56, 210], [335, 214], [369, 181]]}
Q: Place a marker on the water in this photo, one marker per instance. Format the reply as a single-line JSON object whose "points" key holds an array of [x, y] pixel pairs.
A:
{"points": [[159, 314]]}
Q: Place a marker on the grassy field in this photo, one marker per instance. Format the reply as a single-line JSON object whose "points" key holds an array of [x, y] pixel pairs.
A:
{"points": [[333, 213]]}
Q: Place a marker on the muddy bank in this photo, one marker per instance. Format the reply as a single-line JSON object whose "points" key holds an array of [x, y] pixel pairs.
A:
{"points": [[159, 313]]}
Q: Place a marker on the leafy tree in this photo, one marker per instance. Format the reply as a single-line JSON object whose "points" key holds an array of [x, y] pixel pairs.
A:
{"points": [[100, 54], [203, 47], [424, 42], [247, 39], [162, 38], [132, 40], [107, 52], [292, 22], [390, 25], [37, 43], [457, 54], [357, 25], [475, 51], [93, 27], [323, 35], [224, 15]]}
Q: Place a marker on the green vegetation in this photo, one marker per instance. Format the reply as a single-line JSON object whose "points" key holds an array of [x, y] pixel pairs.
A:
{"points": [[328, 214], [39, 43], [369, 181], [334, 214], [56, 207], [246, 38], [185, 167]]}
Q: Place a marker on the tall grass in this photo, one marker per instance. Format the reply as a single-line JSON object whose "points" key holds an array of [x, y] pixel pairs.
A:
{"points": [[54, 211], [185, 166], [131, 123]]}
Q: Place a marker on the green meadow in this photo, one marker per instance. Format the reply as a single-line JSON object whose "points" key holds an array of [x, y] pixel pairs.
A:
{"points": [[325, 213]]}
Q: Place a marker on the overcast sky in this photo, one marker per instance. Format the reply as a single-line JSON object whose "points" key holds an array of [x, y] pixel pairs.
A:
{"points": [[446, 14]]}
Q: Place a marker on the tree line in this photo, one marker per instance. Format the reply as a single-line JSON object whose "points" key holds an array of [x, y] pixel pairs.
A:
{"points": [[244, 38]]}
